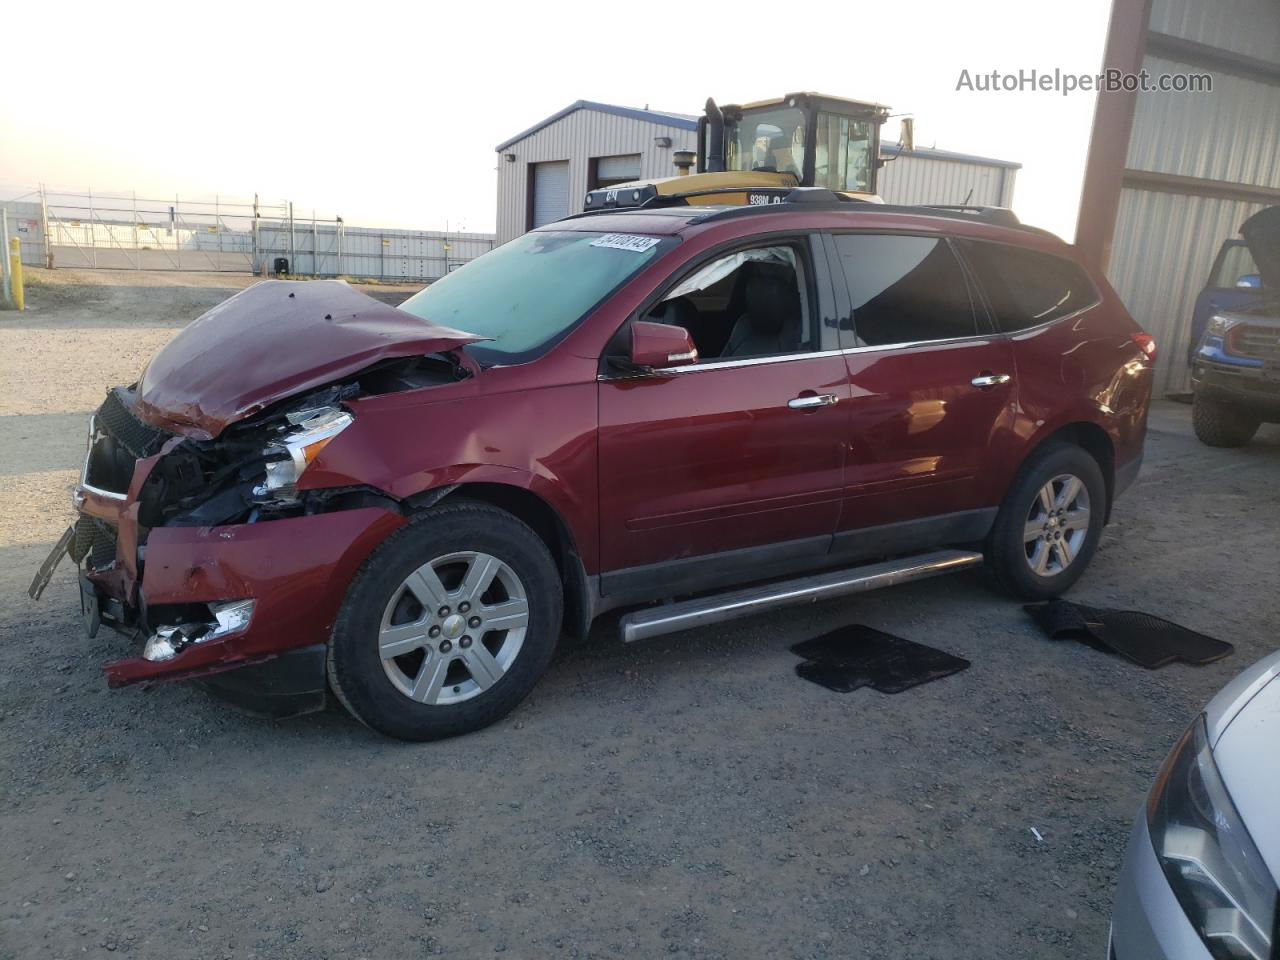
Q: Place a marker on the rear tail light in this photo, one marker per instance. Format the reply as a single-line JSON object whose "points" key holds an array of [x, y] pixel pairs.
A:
{"points": [[1146, 343]]}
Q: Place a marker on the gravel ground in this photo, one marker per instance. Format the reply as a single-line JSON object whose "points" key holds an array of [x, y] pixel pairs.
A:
{"points": [[688, 796]]}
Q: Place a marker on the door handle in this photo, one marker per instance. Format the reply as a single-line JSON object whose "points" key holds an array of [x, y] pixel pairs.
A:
{"points": [[812, 401], [990, 380]]}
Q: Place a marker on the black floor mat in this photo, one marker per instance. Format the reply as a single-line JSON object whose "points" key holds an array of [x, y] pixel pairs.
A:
{"points": [[1148, 641], [860, 656]]}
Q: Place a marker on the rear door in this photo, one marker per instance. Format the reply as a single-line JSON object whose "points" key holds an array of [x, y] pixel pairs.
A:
{"points": [[730, 468], [932, 396]]}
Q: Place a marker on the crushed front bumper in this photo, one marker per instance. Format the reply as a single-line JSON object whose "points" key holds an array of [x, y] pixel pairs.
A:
{"points": [[295, 571]]}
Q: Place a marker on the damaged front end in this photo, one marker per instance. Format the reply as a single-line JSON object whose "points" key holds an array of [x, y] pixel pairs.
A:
{"points": [[196, 541]]}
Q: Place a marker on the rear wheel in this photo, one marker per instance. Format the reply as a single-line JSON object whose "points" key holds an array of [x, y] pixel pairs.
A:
{"points": [[1219, 424], [1049, 524], [448, 625]]}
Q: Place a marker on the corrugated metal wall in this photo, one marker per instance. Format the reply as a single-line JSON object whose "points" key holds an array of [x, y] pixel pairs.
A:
{"points": [[1250, 27], [1231, 134], [578, 137], [1165, 239], [918, 179]]}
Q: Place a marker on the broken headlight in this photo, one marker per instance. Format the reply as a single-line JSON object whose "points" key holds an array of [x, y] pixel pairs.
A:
{"points": [[1207, 854], [288, 455], [226, 617]]}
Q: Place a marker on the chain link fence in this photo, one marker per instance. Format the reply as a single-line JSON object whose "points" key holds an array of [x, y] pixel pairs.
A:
{"points": [[119, 232]]}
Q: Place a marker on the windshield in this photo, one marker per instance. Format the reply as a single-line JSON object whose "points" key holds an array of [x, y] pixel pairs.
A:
{"points": [[529, 293], [766, 140]]}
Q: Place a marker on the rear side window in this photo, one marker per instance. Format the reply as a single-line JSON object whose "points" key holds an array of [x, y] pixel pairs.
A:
{"points": [[1027, 288], [904, 289]]}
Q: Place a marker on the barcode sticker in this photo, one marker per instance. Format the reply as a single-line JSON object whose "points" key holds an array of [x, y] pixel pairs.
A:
{"points": [[625, 241]]}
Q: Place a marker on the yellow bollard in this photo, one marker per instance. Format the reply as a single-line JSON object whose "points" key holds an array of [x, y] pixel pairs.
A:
{"points": [[15, 273]]}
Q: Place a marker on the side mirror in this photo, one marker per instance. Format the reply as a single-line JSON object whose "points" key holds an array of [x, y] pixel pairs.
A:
{"points": [[657, 345], [1249, 281]]}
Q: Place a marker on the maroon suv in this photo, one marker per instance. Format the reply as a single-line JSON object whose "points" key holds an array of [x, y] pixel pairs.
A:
{"points": [[309, 489]]}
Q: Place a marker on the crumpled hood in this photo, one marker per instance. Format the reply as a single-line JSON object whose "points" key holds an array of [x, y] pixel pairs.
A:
{"points": [[1262, 233], [272, 340]]}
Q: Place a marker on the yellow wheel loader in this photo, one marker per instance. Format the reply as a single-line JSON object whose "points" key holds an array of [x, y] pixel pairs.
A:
{"points": [[757, 153]]}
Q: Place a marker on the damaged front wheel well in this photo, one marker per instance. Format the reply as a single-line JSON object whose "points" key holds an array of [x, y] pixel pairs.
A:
{"points": [[543, 519]]}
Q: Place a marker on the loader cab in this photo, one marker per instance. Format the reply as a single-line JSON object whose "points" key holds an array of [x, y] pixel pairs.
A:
{"points": [[807, 139]]}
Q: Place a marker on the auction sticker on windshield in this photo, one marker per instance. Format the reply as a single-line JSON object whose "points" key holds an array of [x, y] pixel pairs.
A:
{"points": [[625, 241]]}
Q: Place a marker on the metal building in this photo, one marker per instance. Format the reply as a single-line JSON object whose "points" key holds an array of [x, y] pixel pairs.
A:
{"points": [[1171, 175], [927, 175], [545, 172]]}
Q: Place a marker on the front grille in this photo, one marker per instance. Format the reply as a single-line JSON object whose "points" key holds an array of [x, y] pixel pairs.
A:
{"points": [[119, 439], [117, 420], [1261, 342], [95, 539]]}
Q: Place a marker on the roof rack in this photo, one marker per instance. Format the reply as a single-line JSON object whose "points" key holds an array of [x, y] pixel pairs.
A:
{"points": [[647, 196], [996, 216], [1001, 215], [777, 198]]}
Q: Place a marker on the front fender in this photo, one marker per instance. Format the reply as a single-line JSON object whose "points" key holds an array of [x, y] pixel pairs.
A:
{"points": [[540, 440]]}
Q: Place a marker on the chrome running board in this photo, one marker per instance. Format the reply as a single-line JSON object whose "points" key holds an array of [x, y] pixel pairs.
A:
{"points": [[701, 611]]}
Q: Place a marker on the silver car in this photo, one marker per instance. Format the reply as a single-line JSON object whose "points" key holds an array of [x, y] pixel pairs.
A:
{"points": [[1199, 880]]}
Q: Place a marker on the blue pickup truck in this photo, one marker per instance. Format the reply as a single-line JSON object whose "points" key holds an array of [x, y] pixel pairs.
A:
{"points": [[1235, 337]]}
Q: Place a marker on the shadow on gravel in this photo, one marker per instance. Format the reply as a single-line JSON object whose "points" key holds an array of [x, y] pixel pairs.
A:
{"points": [[48, 441]]}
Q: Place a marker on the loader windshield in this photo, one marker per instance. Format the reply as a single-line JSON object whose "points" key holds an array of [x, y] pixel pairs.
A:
{"points": [[770, 139]]}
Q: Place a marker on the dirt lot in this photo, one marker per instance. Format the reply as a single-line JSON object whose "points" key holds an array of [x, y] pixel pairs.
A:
{"points": [[688, 796]]}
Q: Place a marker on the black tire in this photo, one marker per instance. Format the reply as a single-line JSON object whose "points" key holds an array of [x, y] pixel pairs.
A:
{"points": [[1007, 550], [355, 666], [1219, 424]]}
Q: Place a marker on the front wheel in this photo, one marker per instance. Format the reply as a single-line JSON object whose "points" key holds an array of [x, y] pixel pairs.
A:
{"points": [[1049, 524], [1219, 424], [448, 625]]}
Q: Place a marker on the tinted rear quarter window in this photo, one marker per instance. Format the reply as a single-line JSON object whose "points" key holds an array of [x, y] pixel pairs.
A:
{"points": [[1026, 288], [904, 289]]}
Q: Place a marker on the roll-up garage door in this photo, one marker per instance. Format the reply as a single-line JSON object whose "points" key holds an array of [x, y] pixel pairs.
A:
{"points": [[618, 169], [550, 192]]}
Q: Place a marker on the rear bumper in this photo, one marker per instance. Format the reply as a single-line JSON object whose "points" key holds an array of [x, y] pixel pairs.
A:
{"points": [[1147, 922], [1252, 387], [295, 570]]}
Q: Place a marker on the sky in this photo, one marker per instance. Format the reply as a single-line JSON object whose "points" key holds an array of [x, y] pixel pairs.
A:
{"points": [[388, 113]]}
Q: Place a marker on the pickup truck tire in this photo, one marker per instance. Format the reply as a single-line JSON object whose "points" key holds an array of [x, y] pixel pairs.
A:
{"points": [[1219, 424], [1049, 524], [448, 625]]}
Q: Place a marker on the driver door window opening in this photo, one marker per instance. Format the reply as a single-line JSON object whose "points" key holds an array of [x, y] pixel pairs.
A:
{"points": [[746, 304]]}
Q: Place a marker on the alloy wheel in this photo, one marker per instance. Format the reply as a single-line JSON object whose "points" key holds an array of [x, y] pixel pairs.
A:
{"points": [[1057, 525], [453, 628]]}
